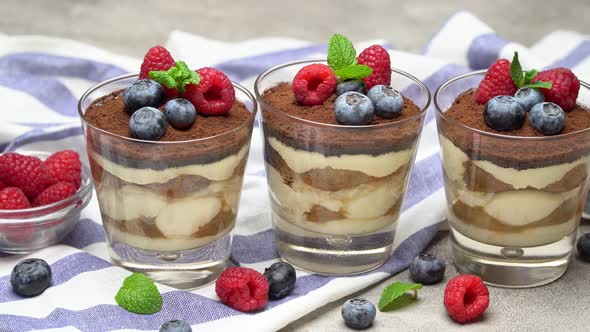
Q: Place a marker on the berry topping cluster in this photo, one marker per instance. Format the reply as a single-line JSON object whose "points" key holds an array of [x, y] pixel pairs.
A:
{"points": [[509, 94], [27, 181], [361, 83], [169, 93]]}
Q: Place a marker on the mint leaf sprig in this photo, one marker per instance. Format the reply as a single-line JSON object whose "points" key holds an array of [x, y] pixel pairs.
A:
{"points": [[140, 295], [396, 296], [176, 77], [523, 79], [342, 59]]}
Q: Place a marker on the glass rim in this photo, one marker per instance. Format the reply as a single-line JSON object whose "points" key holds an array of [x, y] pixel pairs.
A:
{"points": [[99, 85], [440, 112], [267, 72]]}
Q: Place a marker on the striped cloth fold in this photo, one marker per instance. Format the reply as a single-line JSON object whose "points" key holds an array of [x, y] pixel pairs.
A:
{"points": [[41, 79]]}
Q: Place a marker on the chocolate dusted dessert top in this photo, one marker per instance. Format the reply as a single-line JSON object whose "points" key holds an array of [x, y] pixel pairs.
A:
{"points": [[515, 153], [336, 139], [108, 113]]}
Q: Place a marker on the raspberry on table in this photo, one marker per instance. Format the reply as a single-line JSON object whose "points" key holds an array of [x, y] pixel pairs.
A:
{"points": [[565, 87], [157, 59], [313, 84], [55, 193], [242, 288], [214, 95], [65, 166], [25, 172], [378, 59], [466, 298], [497, 82], [13, 199]]}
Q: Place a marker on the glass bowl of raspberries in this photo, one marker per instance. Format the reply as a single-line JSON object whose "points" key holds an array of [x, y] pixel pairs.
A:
{"points": [[41, 197]]}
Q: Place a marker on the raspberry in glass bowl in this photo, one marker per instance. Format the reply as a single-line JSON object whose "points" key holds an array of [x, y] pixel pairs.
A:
{"points": [[39, 225]]}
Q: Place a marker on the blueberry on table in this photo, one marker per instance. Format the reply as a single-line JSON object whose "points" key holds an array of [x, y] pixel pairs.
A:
{"points": [[583, 246], [351, 86], [427, 269], [180, 113], [388, 102], [143, 93], [529, 97], [281, 279], [358, 313], [147, 123], [504, 113], [176, 326], [353, 108], [30, 277], [547, 118]]}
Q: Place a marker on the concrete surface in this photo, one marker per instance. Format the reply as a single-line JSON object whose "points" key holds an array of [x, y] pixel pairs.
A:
{"points": [[563, 305], [130, 27]]}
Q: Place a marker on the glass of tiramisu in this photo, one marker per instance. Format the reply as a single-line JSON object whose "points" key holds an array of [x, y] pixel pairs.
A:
{"points": [[169, 197], [515, 171], [336, 189]]}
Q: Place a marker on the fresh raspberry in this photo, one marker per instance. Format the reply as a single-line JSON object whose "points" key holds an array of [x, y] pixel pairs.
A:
{"points": [[242, 289], [214, 95], [2, 186], [378, 59], [313, 84], [64, 166], [13, 199], [157, 59], [25, 172], [497, 82], [466, 298], [564, 89], [55, 193]]}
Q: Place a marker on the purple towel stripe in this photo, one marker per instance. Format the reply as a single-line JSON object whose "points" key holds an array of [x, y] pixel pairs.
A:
{"points": [[575, 57], [189, 306], [87, 232], [63, 270], [484, 50], [38, 135], [50, 92], [425, 179], [44, 64]]}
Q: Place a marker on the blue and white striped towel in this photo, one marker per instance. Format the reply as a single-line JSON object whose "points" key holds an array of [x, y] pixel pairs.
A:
{"points": [[40, 81]]}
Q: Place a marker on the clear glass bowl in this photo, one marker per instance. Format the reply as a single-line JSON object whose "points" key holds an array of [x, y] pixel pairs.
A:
{"points": [[23, 231]]}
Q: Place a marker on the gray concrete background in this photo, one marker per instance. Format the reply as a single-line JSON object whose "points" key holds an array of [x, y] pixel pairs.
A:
{"points": [[130, 27]]}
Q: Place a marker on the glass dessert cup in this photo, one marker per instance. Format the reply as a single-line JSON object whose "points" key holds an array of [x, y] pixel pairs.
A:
{"points": [[168, 207], [336, 190], [514, 202]]}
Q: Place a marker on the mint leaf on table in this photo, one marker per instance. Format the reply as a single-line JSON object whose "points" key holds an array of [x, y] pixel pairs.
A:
{"points": [[176, 77], [353, 72], [341, 52], [523, 79], [140, 295], [396, 296]]}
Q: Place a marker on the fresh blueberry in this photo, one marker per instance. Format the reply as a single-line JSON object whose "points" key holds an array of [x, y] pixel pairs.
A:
{"points": [[528, 97], [547, 118], [143, 93], [353, 108], [281, 278], [504, 113], [180, 113], [583, 246], [388, 102], [147, 123], [358, 313], [31, 277], [176, 326], [427, 269], [351, 86]]}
